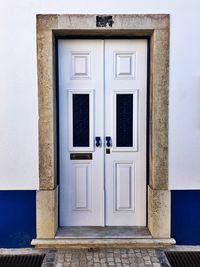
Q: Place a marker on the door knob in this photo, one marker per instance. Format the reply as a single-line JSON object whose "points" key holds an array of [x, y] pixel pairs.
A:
{"points": [[108, 141], [98, 141]]}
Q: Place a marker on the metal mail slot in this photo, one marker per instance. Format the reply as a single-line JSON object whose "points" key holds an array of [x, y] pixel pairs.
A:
{"points": [[78, 156]]}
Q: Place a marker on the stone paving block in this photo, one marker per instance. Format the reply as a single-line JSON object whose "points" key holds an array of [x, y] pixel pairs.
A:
{"points": [[154, 259], [106, 258], [147, 262], [48, 264]]}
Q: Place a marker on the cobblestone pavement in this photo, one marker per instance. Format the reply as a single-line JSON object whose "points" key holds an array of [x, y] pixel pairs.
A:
{"points": [[106, 257]]}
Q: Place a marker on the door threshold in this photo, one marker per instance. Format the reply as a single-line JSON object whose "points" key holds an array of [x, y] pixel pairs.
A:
{"points": [[88, 243], [102, 237], [98, 232]]}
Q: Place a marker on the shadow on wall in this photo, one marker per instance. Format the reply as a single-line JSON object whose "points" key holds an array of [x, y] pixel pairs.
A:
{"points": [[186, 217], [18, 218]]}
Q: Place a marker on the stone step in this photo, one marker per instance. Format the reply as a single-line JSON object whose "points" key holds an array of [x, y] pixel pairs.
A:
{"points": [[106, 232], [77, 243]]}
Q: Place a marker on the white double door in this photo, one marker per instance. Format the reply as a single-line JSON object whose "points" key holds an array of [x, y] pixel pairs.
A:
{"points": [[102, 132]]}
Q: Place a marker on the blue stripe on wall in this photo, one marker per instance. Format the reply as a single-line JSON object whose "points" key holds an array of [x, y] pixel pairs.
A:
{"points": [[185, 214], [18, 218]]}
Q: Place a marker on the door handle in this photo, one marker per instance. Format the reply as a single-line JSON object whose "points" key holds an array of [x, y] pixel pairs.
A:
{"points": [[108, 141], [98, 141]]}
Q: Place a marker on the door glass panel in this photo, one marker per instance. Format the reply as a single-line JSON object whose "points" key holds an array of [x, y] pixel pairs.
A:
{"points": [[124, 120], [81, 120]]}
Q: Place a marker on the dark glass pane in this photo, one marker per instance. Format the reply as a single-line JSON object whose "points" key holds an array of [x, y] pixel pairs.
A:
{"points": [[124, 120], [81, 120]]}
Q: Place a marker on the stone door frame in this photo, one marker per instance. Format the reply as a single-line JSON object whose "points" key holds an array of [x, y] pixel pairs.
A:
{"points": [[156, 27]]}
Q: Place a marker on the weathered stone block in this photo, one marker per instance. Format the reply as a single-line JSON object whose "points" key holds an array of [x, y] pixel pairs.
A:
{"points": [[47, 167], [159, 213], [46, 213]]}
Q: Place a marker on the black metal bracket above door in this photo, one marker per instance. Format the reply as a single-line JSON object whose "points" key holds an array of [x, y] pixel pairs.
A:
{"points": [[104, 21]]}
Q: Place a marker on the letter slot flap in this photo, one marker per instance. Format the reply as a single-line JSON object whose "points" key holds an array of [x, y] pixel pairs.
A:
{"points": [[80, 156]]}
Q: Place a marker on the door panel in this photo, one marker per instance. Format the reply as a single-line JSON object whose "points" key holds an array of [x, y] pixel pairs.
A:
{"points": [[102, 131], [124, 187], [82, 186], [125, 121]]}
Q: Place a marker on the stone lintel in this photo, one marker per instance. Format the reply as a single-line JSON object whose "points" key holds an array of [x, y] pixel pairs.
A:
{"points": [[88, 21]]}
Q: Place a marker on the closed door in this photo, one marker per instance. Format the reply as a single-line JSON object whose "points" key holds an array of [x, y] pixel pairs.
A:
{"points": [[102, 132]]}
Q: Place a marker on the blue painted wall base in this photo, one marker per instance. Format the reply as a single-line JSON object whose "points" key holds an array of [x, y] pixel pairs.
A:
{"points": [[185, 214], [18, 218]]}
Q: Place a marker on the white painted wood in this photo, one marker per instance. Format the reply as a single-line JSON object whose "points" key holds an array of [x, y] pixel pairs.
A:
{"points": [[81, 181], [125, 167], [81, 186], [124, 65], [124, 186], [95, 67], [80, 65]]}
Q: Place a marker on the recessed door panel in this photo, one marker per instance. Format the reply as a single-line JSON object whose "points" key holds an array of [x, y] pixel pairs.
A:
{"points": [[81, 186], [124, 188]]}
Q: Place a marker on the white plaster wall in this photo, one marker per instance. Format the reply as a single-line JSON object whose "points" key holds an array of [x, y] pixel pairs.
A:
{"points": [[18, 85]]}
